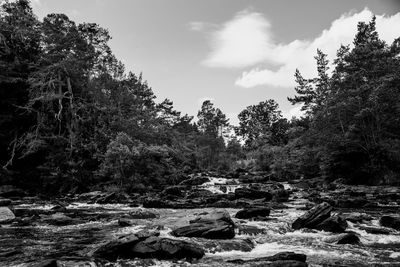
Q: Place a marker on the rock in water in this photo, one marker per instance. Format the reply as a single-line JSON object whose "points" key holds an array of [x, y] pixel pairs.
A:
{"points": [[5, 202], [390, 221], [346, 238], [148, 244], [252, 213], [334, 224], [252, 194], [6, 215], [282, 259], [313, 217], [215, 225]]}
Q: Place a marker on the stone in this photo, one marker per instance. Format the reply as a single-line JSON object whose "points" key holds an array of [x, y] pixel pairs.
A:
{"points": [[390, 221], [46, 263], [195, 181], [313, 217], [143, 214], [334, 224], [345, 238], [59, 219], [252, 194], [6, 215], [285, 259], [5, 202], [215, 225], [175, 191], [249, 213], [148, 244]]}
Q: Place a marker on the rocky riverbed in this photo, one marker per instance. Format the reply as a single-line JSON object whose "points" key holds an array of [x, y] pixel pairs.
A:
{"points": [[206, 221]]}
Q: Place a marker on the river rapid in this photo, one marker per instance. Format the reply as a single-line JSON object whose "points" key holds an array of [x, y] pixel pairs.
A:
{"points": [[26, 245]]}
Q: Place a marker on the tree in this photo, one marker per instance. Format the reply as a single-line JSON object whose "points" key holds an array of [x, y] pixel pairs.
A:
{"points": [[262, 122], [211, 120]]}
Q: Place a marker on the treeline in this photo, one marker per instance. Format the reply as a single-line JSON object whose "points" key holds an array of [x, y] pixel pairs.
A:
{"points": [[351, 126], [72, 118]]}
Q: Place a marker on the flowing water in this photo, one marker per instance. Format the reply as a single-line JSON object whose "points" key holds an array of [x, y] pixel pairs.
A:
{"points": [[23, 244]]}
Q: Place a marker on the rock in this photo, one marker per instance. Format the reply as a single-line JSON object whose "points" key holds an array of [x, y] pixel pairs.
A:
{"points": [[357, 217], [46, 263], [143, 214], [147, 244], [59, 219], [124, 222], [250, 230], [212, 246], [281, 195], [286, 259], [252, 194], [166, 248], [390, 221], [313, 217], [375, 230], [351, 202], [195, 181], [113, 198], [173, 191], [5, 202], [10, 191], [345, 238], [334, 224], [253, 212], [215, 225], [6, 215]]}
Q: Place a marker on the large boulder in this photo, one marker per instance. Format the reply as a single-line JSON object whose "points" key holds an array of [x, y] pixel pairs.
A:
{"points": [[10, 191], [334, 224], [390, 221], [6, 215], [252, 194], [5, 202], [113, 198], [195, 181], [148, 244], [282, 259], [250, 213], [345, 238], [214, 225], [143, 214], [313, 217], [174, 191]]}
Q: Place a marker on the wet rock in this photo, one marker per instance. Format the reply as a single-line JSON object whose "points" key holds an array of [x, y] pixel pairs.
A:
{"points": [[148, 244], [345, 238], [215, 225], [124, 222], [351, 202], [46, 263], [357, 217], [10, 191], [250, 230], [281, 195], [59, 219], [252, 194], [286, 259], [5, 202], [165, 248], [213, 246], [375, 230], [334, 224], [113, 198], [6, 215], [173, 191], [313, 217], [252, 213], [390, 221], [143, 214], [195, 181]]}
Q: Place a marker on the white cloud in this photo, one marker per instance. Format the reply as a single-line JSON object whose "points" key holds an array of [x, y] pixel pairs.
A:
{"points": [[240, 42], [246, 41]]}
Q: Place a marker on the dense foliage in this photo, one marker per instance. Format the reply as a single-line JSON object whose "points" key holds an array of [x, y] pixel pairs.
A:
{"points": [[72, 118]]}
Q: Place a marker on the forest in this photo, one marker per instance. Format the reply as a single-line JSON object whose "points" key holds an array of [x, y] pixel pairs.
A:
{"points": [[73, 119]]}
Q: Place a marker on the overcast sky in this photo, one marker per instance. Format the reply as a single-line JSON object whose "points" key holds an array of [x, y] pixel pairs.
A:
{"points": [[234, 52]]}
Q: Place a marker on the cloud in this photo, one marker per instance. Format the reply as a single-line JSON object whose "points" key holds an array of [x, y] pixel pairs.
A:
{"points": [[247, 42], [240, 42]]}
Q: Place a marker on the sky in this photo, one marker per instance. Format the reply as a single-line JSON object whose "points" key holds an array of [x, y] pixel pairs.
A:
{"points": [[235, 53]]}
